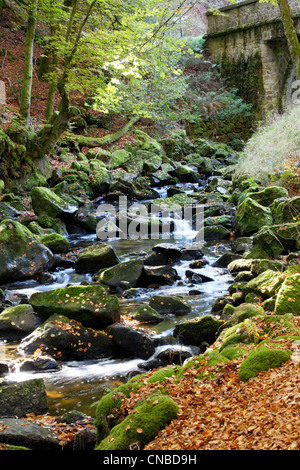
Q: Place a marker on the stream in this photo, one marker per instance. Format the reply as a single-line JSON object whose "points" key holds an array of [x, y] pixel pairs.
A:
{"points": [[80, 384]]}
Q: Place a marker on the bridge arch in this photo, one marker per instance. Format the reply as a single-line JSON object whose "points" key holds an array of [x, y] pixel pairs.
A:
{"points": [[248, 40]]}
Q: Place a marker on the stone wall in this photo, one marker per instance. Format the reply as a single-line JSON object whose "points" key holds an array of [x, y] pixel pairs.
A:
{"points": [[248, 39]]}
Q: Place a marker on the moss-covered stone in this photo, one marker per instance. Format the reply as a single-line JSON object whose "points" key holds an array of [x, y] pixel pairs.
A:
{"points": [[145, 314], [140, 428], [125, 273], [55, 242], [167, 304], [96, 257], [266, 241], [286, 210], [251, 216], [198, 332], [267, 284], [19, 320], [45, 201], [288, 298], [22, 256], [90, 305], [66, 340], [267, 196], [244, 333], [261, 360]]}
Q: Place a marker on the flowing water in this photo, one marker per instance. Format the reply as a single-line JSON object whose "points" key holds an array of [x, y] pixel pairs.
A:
{"points": [[79, 384]]}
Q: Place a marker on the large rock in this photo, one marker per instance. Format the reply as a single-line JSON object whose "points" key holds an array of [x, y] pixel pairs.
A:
{"points": [[251, 216], [167, 304], [66, 340], [198, 332], [21, 254], [28, 435], [123, 274], [96, 257], [19, 399], [135, 343], [267, 196], [286, 209], [288, 298], [45, 201], [267, 284], [90, 305], [138, 429], [18, 321]]}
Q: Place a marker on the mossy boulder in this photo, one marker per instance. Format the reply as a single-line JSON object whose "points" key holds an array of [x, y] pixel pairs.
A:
{"points": [[45, 201], [267, 196], [198, 332], [266, 242], [91, 305], [18, 399], [66, 339], [55, 242], [266, 284], [167, 304], [286, 210], [213, 232], [242, 312], [18, 321], [245, 332], [145, 314], [251, 216], [139, 428], [133, 342], [96, 257], [21, 254], [288, 297], [123, 274], [260, 360]]}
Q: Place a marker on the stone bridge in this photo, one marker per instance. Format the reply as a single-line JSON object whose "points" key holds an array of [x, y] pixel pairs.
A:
{"points": [[248, 40]]}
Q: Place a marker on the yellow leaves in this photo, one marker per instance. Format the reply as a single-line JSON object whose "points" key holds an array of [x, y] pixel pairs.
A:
{"points": [[139, 431]]}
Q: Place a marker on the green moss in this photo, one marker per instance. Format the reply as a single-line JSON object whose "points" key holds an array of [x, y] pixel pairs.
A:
{"points": [[260, 360], [55, 242], [288, 298], [141, 427]]}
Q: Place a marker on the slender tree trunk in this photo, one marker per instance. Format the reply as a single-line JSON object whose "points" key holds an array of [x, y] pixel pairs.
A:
{"points": [[25, 103], [291, 35]]}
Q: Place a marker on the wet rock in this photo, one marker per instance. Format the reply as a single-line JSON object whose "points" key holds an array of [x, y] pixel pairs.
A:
{"points": [[89, 304], [22, 256], [18, 399], [162, 275], [145, 314], [65, 339], [197, 332], [128, 271], [18, 321], [55, 242], [197, 278], [172, 251], [39, 362], [96, 257], [45, 201], [134, 343], [225, 259], [29, 435], [166, 304]]}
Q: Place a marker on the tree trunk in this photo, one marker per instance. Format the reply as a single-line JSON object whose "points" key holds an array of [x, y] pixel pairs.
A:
{"points": [[291, 35], [25, 103]]}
